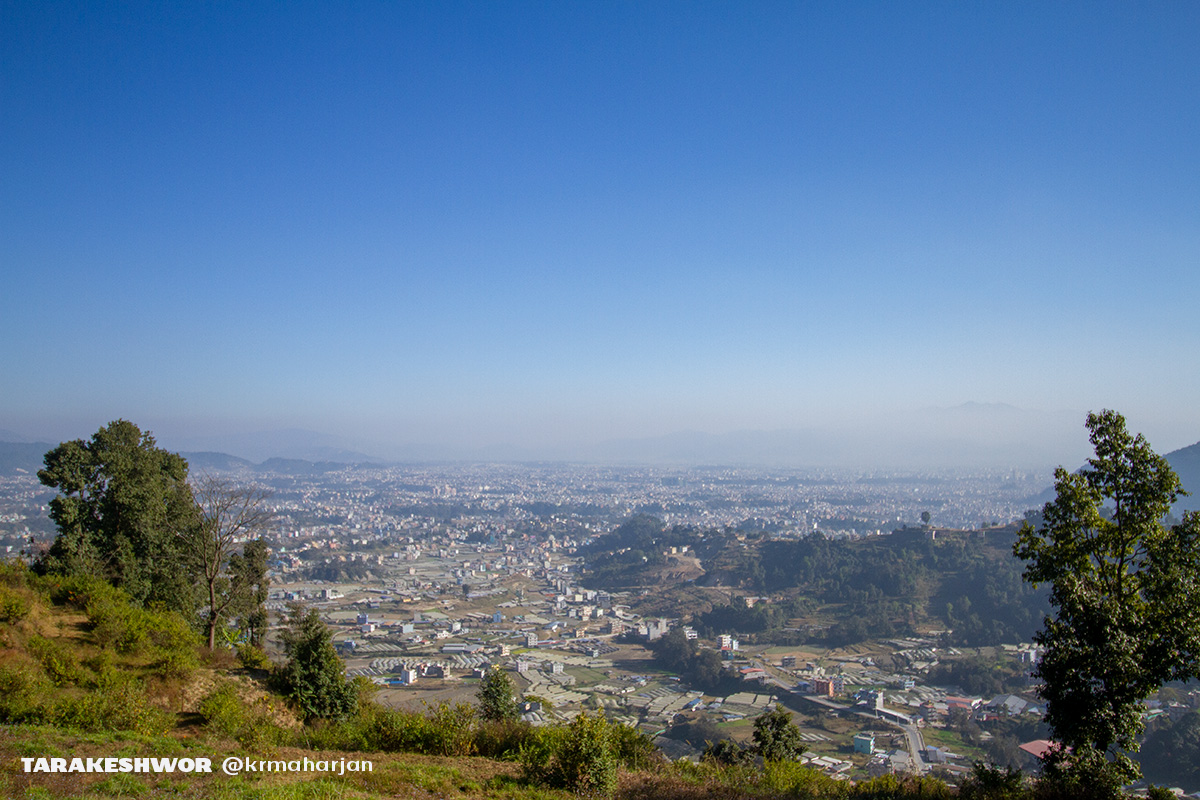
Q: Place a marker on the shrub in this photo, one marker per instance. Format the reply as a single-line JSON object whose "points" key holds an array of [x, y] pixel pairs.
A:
{"points": [[501, 739], [796, 780], [634, 749], [77, 591], [987, 782], [397, 731], [249, 725], [727, 753], [177, 665], [776, 737], [451, 727], [58, 662], [14, 607], [15, 573], [496, 696], [887, 787], [223, 711], [538, 751], [23, 689], [115, 621], [118, 705], [314, 678], [253, 657], [168, 631], [579, 758]]}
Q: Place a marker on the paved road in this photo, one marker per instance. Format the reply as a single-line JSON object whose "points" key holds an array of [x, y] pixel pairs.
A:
{"points": [[916, 746], [916, 742]]}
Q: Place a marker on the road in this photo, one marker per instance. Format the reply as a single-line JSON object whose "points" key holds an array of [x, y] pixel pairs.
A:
{"points": [[916, 746], [916, 742]]}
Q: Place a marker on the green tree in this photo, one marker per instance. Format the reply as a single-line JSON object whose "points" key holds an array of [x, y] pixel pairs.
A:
{"points": [[123, 511], [496, 696], [314, 677], [776, 737], [248, 569], [229, 514], [1126, 593]]}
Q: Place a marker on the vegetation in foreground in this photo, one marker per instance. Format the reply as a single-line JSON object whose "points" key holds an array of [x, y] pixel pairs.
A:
{"points": [[84, 672]]}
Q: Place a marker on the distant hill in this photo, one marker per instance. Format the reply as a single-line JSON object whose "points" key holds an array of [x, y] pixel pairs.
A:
{"points": [[22, 457], [18, 458], [1186, 463], [300, 466], [858, 589], [290, 443], [216, 462]]}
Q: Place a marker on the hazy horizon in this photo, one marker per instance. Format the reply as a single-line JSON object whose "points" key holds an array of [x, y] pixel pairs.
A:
{"points": [[968, 437], [548, 228]]}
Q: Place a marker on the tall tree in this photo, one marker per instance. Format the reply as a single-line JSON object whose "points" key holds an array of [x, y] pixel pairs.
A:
{"points": [[497, 696], [122, 510], [250, 569], [776, 737], [230, 515], [1126, 593], [314, 677]]}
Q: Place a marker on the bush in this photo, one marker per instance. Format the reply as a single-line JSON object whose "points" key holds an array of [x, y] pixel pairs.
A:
{"points": [[118, 705], [909, 787], [77, 591], [776, 737], [452, 728], [538, 751], [250, 726], [634, 749], [176, 664], [253, 657], [987, 782], [397, 731], [15, 573], [223, 711], [579, 758], [497, 696], [791, 778], [14, 607], [23, 689], [727, 753], [59, 663], [501, 739]]}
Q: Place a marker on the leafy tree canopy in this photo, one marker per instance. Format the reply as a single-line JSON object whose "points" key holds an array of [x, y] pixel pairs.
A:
{"points": [[497, 700], [123, 511], [776, 737], [1126, 593]]}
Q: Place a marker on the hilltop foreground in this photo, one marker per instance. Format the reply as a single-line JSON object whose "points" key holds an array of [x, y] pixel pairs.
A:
{"points": [[93, 687]]}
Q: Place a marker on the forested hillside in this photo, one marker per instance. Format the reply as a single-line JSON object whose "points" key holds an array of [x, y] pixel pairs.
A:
{"points": [[847, 589]]}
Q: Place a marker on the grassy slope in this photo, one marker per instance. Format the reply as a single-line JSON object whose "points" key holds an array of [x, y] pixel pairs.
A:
{"points": [[394, 775]]}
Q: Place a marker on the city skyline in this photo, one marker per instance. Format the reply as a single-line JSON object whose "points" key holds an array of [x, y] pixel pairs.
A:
{"points": [[547, 227]]}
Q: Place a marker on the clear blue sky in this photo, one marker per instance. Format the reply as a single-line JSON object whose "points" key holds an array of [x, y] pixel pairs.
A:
{"points": [[560, 222]]}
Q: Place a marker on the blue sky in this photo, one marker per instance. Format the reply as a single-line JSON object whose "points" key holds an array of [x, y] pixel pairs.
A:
{"points": [[558, 223]]}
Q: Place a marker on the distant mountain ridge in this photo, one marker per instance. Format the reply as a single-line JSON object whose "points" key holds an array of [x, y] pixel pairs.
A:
{"points": [[1186, 463], [26, 458], [22, 457]]}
